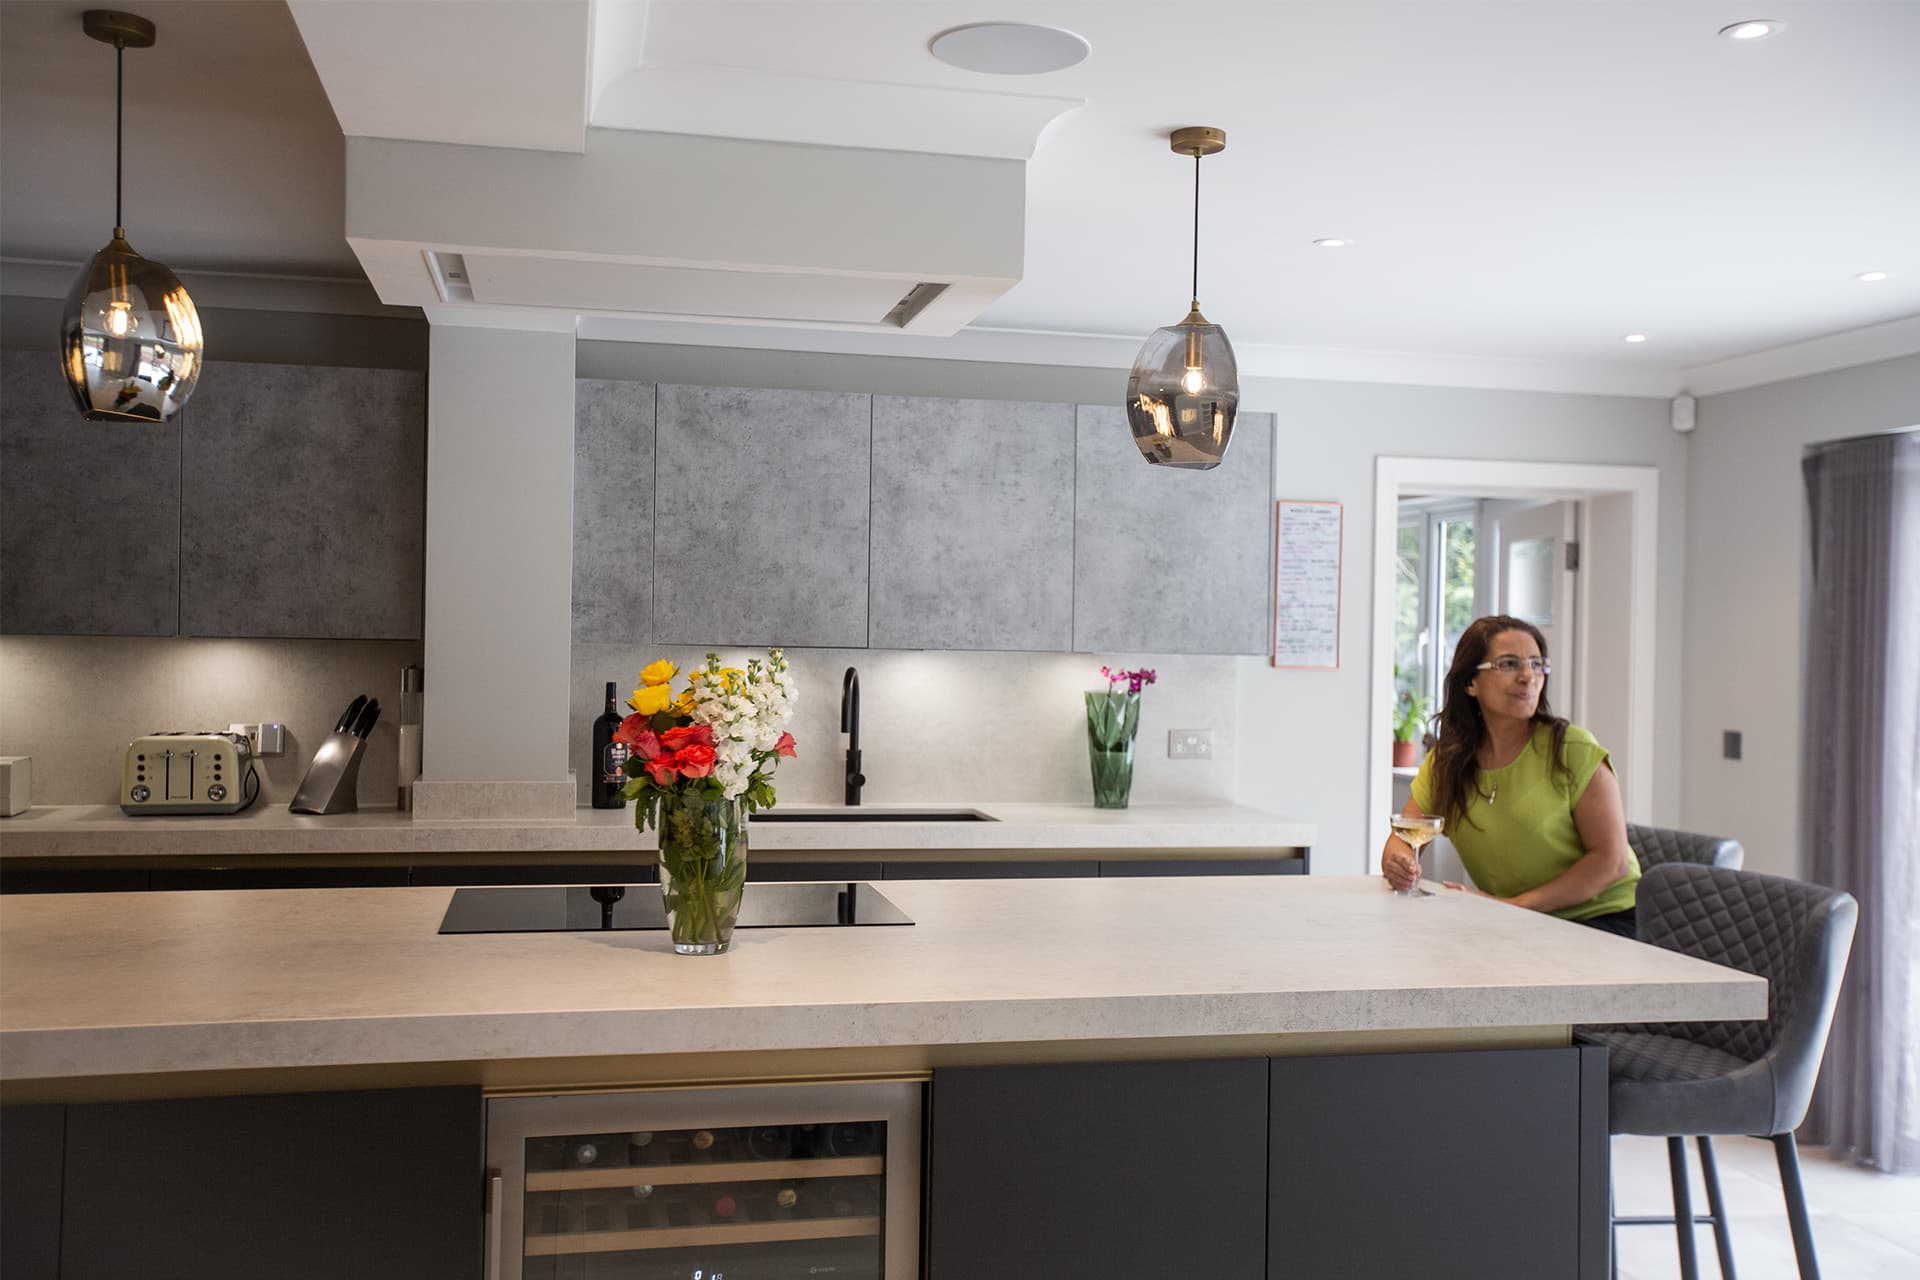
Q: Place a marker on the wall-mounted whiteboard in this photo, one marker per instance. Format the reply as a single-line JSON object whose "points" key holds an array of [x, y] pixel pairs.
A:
{"points": [[1306, 585]]}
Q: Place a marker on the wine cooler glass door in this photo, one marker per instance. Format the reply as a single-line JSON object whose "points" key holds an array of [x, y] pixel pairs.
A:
{"points": [[708, 1184]]}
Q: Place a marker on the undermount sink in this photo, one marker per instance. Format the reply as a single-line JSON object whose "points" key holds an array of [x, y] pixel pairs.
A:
{"points": [[872, 815]]}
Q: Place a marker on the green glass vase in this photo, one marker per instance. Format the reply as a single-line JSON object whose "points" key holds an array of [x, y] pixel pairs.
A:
{"points": [[1113, 720], [703, 870]]}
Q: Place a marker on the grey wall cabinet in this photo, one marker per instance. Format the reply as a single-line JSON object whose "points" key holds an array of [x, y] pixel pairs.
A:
{"points": [[760, 517], [972, 524], [1126, 1171], [1170, 561], [612, 511], [304, 507], [89, 512], [285, 500]]}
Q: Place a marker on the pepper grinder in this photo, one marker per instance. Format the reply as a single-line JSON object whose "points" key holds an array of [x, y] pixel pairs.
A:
{"points": [[411, 697]]}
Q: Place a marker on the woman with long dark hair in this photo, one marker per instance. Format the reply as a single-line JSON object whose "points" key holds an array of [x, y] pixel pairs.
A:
{"points": [[1530, 801]]}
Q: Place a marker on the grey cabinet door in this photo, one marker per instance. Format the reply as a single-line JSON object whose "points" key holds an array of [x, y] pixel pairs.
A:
{"points": [[972, 524], [89, 512], [378, 1185], [1502, 1176], [760, 517], [304, 511], [1170, 561], [30, 1191], [1121, 1170], [612, 511]]}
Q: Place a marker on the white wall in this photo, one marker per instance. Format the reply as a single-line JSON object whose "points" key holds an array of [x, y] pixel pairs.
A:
{"points": [[1606, 559], [1745, 574], [1300, 737]]}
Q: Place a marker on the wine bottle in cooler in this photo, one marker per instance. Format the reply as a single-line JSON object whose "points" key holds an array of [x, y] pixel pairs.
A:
{"points": [[608, 758]]}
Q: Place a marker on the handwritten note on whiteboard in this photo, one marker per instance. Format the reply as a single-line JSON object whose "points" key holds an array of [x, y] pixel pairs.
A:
{"points": [[1306, 585]]}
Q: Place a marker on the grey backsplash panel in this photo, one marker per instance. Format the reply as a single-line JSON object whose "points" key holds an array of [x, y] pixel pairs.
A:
{"points": [[1170, 561], [89, 512], [612, 511], [972, 524], [772, 550], [304, 511]]}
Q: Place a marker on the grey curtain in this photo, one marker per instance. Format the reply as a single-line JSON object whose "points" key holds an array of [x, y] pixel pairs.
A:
{"points": [[1861, 792]]}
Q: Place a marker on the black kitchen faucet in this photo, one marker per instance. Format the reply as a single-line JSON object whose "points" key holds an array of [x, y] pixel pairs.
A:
{"points": [[850, 725]]}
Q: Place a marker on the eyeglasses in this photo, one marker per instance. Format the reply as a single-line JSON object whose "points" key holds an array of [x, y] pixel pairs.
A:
{"points": [[1512, 665]]}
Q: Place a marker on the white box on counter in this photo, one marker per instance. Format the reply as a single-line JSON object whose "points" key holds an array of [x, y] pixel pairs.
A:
{"points": [[16, 785]]}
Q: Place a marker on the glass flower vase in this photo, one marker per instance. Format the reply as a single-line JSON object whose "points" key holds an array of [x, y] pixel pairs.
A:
{"points": [[1113, 721], [703, 869]]}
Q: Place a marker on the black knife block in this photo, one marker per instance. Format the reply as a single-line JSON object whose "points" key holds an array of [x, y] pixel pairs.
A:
{"points": [[332, 781]]}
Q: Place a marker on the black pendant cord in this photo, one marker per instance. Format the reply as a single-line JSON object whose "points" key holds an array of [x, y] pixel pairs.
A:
{"points": [[119, 80], [1196, 230]]}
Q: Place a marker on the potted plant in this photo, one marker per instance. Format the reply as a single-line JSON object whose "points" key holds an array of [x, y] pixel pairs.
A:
{"points": [[1409, 720]]}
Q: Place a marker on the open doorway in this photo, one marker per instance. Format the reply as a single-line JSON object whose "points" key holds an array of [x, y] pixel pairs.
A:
{"points": [[1569, 547]]}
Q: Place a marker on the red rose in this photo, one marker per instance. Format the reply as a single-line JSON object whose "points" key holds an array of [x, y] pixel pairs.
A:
{"points": [[661, 769], [686, 736], [694, 760], [633, 732], [784, 747]]}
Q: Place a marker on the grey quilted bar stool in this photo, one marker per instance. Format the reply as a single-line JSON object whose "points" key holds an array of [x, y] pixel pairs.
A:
{"points": [[1673, 1080], [1655, 845]]}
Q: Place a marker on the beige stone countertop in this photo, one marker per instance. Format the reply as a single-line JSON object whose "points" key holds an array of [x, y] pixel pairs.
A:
{"points": [[53, 831], [120, 984]]}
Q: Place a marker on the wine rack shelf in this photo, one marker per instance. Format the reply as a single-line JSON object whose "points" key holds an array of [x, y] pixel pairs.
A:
{"points": [[688, 1237], [661, 1175]]}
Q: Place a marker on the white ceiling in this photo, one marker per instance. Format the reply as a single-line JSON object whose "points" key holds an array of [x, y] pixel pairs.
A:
{"points": [[1525, 183]]}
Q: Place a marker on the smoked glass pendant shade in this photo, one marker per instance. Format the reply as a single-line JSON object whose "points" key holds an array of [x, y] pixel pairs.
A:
{"points": [[130, 338], [1183, 393]]}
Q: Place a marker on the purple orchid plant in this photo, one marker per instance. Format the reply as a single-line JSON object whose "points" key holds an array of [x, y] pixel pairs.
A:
{"points": [[1135, 680]]}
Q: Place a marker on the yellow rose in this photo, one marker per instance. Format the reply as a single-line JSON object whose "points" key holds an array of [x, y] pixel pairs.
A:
{"points": [[652, 700], [659, 673], [683, 705]]}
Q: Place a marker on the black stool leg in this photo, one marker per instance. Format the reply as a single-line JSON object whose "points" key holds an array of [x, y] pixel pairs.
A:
{"points": [[1788, 1155], [1682, 1208], [1613, 1221], [1722, 1238]]}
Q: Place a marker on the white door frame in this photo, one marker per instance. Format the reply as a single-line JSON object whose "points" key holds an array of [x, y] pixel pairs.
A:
{"points": [[1395, 477]]}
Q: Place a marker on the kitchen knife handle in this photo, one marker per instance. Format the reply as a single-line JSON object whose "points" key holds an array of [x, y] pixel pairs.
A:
{"points": [[352, 713], [368, 715]]}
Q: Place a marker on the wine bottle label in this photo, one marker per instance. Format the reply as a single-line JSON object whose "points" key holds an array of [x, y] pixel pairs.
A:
{"points": [[612, 765]]}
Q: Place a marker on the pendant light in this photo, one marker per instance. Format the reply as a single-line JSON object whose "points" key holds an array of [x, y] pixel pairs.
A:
{"points": [[1185, 387], [130, 337]]}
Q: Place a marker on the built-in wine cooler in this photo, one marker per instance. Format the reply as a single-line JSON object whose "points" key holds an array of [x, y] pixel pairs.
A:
{"points": [[745, 1183]]}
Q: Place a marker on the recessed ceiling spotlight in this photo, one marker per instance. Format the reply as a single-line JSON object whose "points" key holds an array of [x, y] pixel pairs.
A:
{"points": [[1333, 242], [1754, 29], [1636, 337], [1871, 277], [1009, 48]]}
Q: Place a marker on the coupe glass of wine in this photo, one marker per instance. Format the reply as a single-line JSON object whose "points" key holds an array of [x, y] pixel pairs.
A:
{"points": [[1417, 831]]}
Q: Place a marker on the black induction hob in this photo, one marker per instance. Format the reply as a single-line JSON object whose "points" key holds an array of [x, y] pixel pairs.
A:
{"points": [[562, 909]]}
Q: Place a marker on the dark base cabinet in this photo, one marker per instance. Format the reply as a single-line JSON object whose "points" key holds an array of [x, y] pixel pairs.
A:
{"points": [[377, 1185], [1476, 1165], [32, 1143], [1110, 1170]]}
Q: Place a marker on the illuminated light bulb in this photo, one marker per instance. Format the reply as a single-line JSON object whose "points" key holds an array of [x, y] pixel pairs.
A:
{"points": [[119, 317], [1193, 381]]}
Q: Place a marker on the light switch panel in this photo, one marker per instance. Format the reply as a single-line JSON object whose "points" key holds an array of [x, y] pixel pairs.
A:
{"points": [[1189, 744]]}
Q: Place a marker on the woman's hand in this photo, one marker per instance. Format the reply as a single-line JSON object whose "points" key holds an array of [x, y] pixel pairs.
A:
{"points": [[1401, 868]]}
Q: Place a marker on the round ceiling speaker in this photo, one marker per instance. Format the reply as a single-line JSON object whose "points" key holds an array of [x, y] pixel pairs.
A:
{"points": [[1009, 48]]}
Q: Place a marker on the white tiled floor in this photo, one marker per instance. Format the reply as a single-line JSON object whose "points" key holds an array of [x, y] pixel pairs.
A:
{"points": [[1866, 1225]]}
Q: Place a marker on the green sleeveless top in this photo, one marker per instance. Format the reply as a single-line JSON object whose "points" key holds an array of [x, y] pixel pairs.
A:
{"points": [[1519, 831]]}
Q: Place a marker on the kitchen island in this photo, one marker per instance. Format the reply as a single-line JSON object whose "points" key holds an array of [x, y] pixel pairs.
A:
{"points": [[128, 996]]}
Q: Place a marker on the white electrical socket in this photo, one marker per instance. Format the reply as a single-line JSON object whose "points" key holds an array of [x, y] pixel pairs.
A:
{"points": [[264, 739], [1189, 744]]}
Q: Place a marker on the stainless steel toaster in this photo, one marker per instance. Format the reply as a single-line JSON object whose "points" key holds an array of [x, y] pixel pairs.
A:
{"points": [[189, 773]]}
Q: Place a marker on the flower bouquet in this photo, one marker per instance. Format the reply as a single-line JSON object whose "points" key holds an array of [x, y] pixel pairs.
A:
{"points": [[1113, 720], [699, 762]]}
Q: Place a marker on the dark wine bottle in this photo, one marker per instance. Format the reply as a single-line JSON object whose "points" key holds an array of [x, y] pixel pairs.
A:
{"points": [[608, 758]]}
